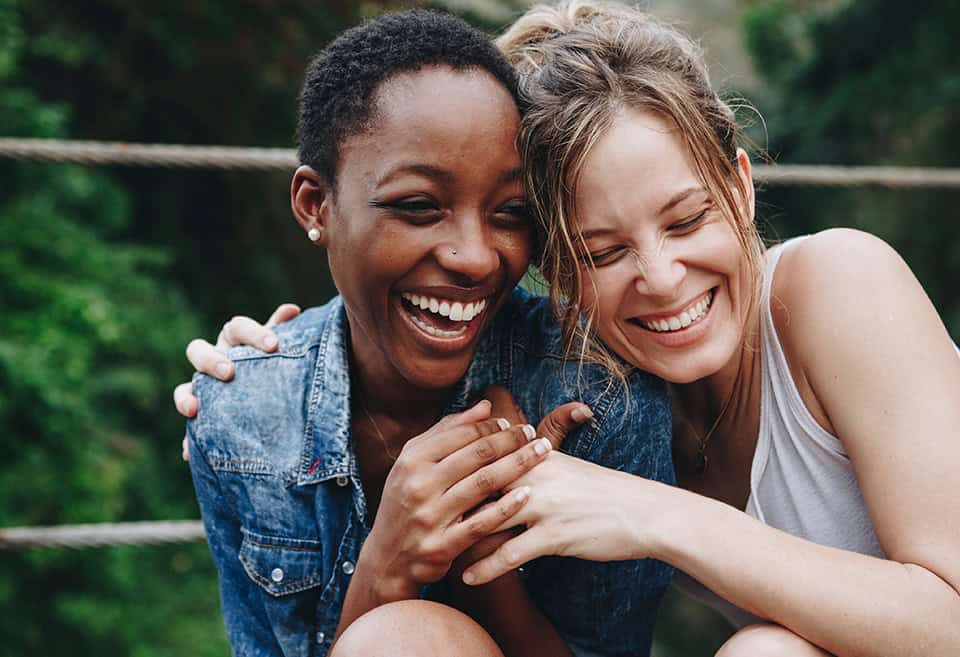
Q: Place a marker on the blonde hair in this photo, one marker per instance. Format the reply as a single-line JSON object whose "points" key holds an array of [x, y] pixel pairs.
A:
{"points": [[580, 65]]}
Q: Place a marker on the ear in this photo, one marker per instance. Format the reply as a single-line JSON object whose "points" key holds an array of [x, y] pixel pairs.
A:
{"points": [[745, 170], [311, 199]]}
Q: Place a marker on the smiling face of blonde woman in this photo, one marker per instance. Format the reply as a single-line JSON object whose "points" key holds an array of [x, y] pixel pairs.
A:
{"points": [[665, 275]]}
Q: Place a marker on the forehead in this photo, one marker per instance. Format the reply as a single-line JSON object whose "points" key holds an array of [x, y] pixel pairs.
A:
{"points": [[634, 169], [438, 116]]}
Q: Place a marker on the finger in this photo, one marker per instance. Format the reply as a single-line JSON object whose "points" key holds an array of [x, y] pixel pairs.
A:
{"points": [[205, 358], [186, 450], [484, 450], [491, 479], [441, 444], [511, 555], [476, 413], [284, 313], [488, 518], [562, 420], [184, 400], [245, 331], [504, 405]]}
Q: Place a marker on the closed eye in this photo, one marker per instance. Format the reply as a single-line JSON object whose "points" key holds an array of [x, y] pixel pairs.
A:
{"points": [[417, 210], [514, 214], [603, 257], [688, 224]]}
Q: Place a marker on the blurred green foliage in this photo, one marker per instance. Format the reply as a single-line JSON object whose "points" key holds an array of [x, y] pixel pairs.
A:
{"points": [[105, 273]]}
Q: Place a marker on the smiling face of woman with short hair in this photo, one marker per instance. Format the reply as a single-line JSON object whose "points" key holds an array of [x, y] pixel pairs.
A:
{"points": [[665, 274], [428, 231]]}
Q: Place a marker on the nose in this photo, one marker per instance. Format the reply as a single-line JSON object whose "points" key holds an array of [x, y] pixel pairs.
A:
{"points": [[660, 274], [469, 251]]}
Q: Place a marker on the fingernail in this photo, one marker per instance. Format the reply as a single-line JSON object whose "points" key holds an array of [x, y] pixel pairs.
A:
{"points": [[522, 494], [503, 423], [529, 432], [223, 370], [270, 341], [543, 446], [581, 414], [469, 578]]}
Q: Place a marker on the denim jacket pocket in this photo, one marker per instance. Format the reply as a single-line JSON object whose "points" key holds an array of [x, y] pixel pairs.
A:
{"points": [[281, 566]]}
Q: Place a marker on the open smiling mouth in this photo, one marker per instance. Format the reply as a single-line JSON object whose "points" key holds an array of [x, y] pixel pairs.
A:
{"points": [[442, 318], [689, 316]]}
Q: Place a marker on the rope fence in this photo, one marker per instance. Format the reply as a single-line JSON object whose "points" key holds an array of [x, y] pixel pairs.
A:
{"points": [[97, 153], [98, 535], [231, 157]]}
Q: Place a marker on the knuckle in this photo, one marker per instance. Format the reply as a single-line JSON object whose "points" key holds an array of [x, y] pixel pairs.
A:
{"points": [[485, 482], [476, 528], [509, 556], [484, 450], [522, 458]]}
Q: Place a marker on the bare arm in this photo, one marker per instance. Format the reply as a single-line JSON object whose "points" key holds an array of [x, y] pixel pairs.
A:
{"points": [[886, 374]]}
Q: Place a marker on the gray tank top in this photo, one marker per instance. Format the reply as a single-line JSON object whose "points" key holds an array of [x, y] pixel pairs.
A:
{"points": [[801, 480]]}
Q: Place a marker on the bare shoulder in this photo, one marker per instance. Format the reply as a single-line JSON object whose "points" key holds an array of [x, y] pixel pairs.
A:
{"points": [[839, 276]]}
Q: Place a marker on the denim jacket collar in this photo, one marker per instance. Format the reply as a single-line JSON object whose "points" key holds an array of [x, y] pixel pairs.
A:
{"points": [[326, 437], [326, 449]]}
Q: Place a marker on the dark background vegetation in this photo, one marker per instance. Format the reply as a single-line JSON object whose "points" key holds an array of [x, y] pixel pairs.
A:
{"points": [[105, 273]]}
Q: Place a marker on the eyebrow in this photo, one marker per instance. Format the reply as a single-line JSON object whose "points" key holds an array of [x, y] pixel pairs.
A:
{"points": [[426, 170], [680, 196], [430, 171]]}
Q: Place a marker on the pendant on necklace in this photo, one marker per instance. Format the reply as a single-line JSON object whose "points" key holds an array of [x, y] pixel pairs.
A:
{"points": [[702, 462]]}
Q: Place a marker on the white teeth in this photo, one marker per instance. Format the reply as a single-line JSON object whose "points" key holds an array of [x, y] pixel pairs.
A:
{"points": [[440, 333], [689, 316], [455, 310]]}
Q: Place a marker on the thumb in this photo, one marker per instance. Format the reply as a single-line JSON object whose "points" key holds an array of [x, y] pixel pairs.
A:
{"points": [[562, 420], [284, 312]]}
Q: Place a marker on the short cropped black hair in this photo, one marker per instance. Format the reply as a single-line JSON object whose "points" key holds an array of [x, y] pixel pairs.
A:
{"points": [[336, 100]]}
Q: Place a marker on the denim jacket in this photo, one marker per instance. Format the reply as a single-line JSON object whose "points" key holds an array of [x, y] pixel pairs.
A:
{"points": [[278, 486]]}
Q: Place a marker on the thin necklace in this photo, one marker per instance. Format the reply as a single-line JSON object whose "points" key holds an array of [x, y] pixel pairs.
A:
{"points": [[703, 462], [376, 427]]}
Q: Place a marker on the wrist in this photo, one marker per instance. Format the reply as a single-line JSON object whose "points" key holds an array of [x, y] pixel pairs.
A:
{"points": [[383, 582], [668, 528]]}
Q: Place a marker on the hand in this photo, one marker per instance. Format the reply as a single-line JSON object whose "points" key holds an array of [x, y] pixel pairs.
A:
{"points": [[555, 426], [581, 510], [210, 359], [424, 521]]}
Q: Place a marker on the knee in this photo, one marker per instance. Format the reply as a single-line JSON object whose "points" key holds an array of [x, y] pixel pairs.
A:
{"points": [[415, 628], [768, 640]]}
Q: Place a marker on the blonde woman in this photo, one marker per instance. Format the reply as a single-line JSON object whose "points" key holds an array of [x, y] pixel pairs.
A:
{"points": [[814, 384]]}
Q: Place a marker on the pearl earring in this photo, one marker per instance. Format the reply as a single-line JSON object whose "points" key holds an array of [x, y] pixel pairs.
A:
{"points": [[313, 234]]}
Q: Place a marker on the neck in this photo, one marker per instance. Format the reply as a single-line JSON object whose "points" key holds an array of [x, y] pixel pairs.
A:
{"points": [[727, 398]]}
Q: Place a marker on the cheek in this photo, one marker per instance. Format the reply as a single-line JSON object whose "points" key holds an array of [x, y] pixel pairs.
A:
{"points": [[516, 249]]}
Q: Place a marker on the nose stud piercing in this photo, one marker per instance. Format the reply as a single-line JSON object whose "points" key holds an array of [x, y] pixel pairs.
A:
{"points": [[454, 252], [313, 234]]}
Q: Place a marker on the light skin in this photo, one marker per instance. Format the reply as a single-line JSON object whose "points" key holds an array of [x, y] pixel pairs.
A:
{"points": [[832, 323], [872, 362]]}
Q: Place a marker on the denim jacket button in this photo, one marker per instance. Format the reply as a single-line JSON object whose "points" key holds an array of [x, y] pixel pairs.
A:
{"points": [[320, 637], [277, 575], [347, 568], [343, 480]]}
